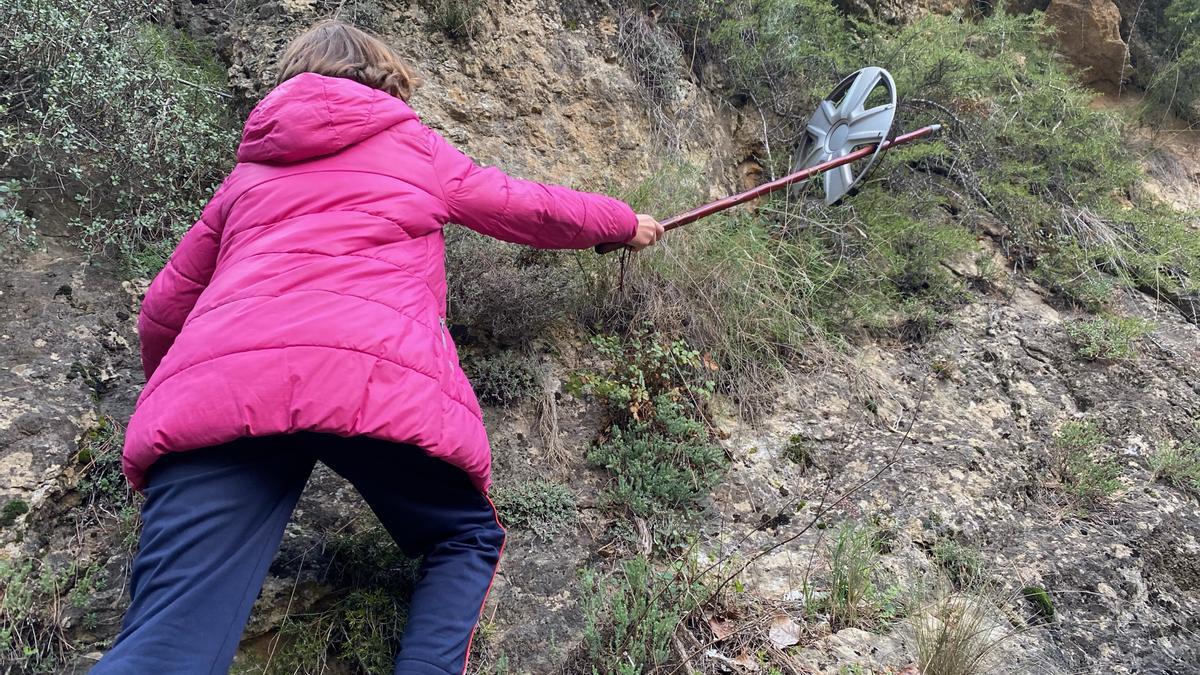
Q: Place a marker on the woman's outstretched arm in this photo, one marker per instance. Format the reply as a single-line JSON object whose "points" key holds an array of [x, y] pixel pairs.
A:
{"points": [[173, 293], [487, 200]]}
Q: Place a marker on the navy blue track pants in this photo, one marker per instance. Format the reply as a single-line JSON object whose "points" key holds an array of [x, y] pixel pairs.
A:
{"points": [[213, 520]]}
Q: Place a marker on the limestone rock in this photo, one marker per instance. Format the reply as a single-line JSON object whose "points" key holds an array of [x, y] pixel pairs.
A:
{"points": [[1089, 34]]}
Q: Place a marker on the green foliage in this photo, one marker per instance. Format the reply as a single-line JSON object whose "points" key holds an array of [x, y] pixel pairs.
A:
{"points": [[799, 451], [1043, 606], [114, 120], [660, 466], [631, 615], [1110, 338], [1179, 465], [658, 448], [1170, 30], [13, 509], [103, 479], [540, 506], [501, 378], [362, 628], [640, 368], [1087, 474], [853, 599], [961, 564], [32, 595]]}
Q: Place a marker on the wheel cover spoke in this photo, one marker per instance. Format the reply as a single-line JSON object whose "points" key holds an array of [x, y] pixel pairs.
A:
{"points": [[837, 129]]}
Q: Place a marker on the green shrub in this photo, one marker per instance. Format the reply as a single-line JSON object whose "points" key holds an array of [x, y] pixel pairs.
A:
{"points": [[33, 596], [1110, 338], [1086, 473], [961, 564], [505, 294], [639, 368], [666, 465], [501, 378], [1179, 465], [631, 615], [540, 506], [118, 123], [657, 447]]}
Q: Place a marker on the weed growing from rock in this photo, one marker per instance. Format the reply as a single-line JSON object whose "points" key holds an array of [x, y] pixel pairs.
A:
{"points": [[1087, 474], [853, 600], [961, 564], [1109, 338], [657, 447], [539, 506], [631, 615], [1179, 465], [458, 19], [954, 634], [13, 509]]}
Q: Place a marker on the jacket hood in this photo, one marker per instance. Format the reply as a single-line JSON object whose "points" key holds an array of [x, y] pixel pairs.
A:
{"points": [[311, 116]]}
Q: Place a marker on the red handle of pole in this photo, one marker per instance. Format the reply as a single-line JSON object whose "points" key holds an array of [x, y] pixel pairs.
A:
{"points": [[778, 184]]}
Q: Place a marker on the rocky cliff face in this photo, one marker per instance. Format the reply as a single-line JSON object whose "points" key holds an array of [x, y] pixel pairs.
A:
{"points": [[957, 441]]}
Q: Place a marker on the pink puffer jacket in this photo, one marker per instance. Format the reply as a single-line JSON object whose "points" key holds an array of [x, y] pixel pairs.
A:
{"points": [[311, 295]]}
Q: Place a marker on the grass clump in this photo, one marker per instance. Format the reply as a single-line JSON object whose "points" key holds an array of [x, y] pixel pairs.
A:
{"points": [[954, 634], [853, 599], [631, 615], [103, 479], [540, 506], [657, 447], [961, 564], [115, 122], [1086, 474], [1179, 465], [458, 19], [799, 451], [1109, 338]]}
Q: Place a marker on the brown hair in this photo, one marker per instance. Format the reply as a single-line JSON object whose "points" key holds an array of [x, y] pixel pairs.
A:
{"points": [[338, 49]]}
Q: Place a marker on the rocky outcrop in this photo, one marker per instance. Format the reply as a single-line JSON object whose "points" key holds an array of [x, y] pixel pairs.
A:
{"points": [[1088, 32], [544, 89]]}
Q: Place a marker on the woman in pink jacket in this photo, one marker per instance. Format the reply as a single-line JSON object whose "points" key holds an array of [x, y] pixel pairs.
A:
{"points": [[302, 319]]}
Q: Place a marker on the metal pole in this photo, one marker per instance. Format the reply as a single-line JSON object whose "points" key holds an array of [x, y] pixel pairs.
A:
{"points": [[779, 183]]}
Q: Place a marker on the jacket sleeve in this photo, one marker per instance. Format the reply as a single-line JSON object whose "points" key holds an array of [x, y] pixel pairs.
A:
{"points": [[488, 201], [173, 293]]}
